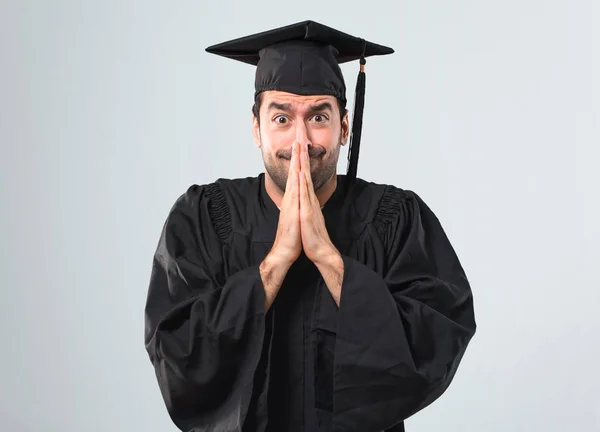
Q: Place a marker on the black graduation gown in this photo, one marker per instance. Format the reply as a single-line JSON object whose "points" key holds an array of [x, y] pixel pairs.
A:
{"points": [[393, 346]]}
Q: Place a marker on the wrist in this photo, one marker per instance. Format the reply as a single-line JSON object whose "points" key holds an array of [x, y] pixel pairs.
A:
{"points": [[329, 259], [273, 270], [277, 260], [331, 267]]}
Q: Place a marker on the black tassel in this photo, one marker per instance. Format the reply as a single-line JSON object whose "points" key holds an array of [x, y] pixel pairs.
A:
{"points": [[359, 104]]}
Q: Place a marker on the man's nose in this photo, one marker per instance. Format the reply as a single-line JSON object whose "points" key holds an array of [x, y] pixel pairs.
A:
{"points": [[302, 133]]}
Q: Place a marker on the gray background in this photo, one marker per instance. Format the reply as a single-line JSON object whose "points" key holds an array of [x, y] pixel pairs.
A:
{"points": [[111, 109]]}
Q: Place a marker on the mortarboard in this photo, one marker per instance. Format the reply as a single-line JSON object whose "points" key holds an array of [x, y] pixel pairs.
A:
{"points": [[304, 59]]}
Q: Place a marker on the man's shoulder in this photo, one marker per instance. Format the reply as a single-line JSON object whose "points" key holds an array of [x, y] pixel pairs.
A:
{"points": [[217, 194], [220, 189], [380, 195], [370, 185], [388, 207], [216, 203]]}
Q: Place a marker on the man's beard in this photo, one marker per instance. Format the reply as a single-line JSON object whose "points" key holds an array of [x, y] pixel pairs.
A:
{"points": [[279, 173]]}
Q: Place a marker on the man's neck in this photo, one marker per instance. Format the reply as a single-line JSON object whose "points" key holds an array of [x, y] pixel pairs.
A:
{"points": [[323, 194]]}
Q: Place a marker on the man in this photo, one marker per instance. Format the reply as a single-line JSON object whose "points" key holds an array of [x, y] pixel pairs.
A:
{"points": [[300, 299]]}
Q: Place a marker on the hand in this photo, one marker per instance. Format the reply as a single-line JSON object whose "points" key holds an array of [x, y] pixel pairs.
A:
{"points": [[315, 239], [288, 242]]}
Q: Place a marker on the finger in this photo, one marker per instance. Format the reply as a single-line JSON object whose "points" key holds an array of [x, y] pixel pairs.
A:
{"points": [[305, 201], [295, 198], [305, 157], [292, 168], [295, 160], [305, 164], [308, 176], [291, 197], [298, 155], [302, 200], [291, 176]]}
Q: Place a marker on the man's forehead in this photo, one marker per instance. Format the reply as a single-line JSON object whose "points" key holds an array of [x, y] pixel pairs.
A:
{"points": [[273, 97]]}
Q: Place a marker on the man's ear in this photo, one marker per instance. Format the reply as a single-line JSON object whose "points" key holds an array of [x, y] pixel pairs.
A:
{"points": [[256, 131], [345, 128]]}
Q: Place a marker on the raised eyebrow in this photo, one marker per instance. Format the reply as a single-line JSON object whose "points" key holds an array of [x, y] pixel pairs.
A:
{"points": [[280, 106], [325, 106]]}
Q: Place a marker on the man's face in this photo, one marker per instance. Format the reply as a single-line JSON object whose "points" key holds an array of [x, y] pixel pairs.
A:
{"points": [[285, 118]]}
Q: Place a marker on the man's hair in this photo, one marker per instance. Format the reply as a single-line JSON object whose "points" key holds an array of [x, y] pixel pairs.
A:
{"points": [[259, 98]]}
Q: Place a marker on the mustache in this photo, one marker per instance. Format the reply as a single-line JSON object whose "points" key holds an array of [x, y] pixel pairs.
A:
{"points": [[313, 151]]}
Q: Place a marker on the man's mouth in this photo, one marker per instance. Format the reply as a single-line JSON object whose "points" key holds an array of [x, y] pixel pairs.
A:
{"points": [[314, 154]]}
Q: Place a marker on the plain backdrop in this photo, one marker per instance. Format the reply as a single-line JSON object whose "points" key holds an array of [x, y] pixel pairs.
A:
{"points": [[109, 110]]}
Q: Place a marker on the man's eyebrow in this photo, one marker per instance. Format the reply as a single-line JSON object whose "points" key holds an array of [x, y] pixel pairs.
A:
{"points": [[324, 106], [280, 106]]}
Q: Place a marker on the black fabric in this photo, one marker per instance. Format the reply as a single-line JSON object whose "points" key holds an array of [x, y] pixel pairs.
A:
{"points": [[359, 103], [393, 346], [248, 49], [301, 58], [218, 210]]}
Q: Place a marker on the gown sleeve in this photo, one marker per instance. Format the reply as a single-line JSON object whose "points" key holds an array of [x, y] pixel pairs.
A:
{"points": [[400, 335], [203, 330]]}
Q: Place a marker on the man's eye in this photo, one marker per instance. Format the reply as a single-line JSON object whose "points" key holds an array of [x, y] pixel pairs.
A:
{"points": [[319, 118], [281, 119]]}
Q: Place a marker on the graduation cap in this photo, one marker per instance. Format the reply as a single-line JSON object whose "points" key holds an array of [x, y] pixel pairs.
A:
{"points": [[304, 59]]}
